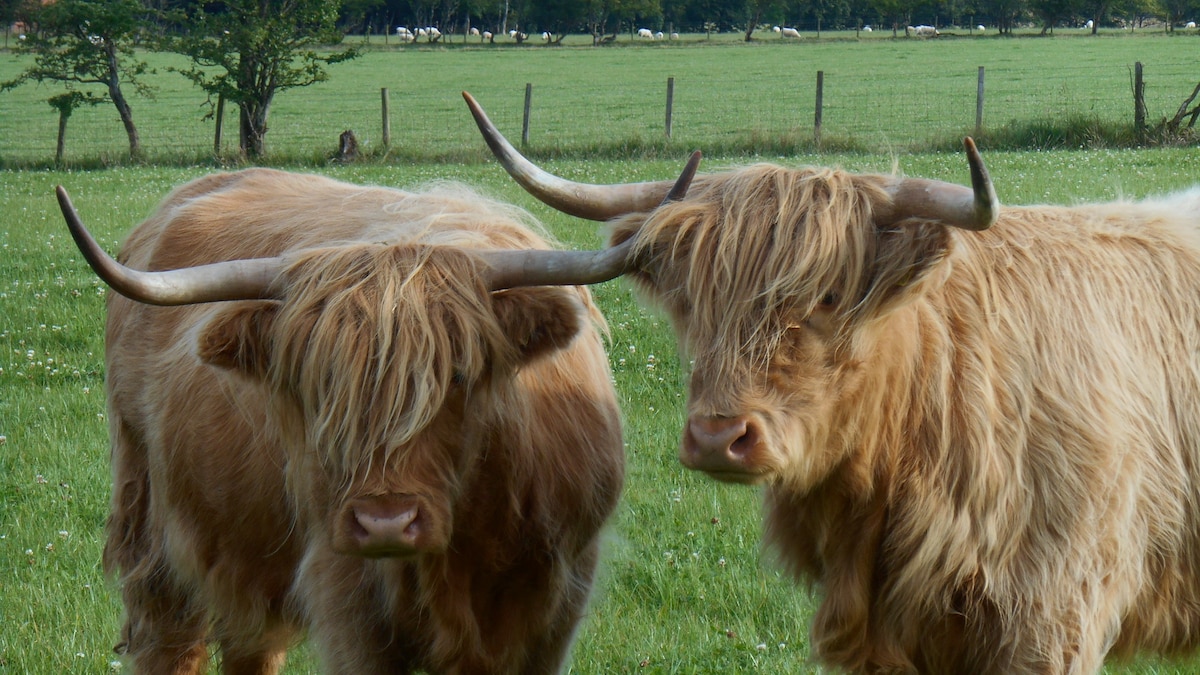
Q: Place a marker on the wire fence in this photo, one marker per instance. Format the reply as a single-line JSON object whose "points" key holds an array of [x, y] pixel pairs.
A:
{"points": [[878, 111]]}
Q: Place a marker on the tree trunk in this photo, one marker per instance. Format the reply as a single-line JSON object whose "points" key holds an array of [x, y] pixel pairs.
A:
{"points": [[118, 99], [253, 128], [63, 116], [753, 24]]}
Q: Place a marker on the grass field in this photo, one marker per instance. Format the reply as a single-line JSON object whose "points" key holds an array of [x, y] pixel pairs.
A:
{"points": [[880, 94], [684, 587]]}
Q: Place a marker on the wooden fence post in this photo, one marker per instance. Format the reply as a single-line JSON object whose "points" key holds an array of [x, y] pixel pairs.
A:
{"points": [[220, 116], [670, 103], [525, 121], [820, 105], [387, 121], [1139, 99], [979, 104]]}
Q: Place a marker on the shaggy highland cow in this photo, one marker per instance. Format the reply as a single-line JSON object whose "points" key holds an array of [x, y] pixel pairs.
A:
{"points": [[342, 423], [978, 428]]}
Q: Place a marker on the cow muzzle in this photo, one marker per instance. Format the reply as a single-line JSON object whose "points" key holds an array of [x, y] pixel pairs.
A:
{"points": [[726, 448], [387, 526]]}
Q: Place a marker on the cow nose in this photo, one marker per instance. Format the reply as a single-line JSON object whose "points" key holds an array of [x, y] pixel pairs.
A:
{"points": [[389, 525], [719, 444]]}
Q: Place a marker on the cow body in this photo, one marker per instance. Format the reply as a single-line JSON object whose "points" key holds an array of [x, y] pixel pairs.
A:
{"points": [[409, 468], [984, 447]]}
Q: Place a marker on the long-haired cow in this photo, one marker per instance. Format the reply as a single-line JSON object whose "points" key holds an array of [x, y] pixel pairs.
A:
{"points": [[357, 434], [978, 428]]}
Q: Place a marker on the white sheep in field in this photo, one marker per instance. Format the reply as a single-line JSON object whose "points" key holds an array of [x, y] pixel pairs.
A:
{"points": [[980, 28], [646, 33], [924, 31], [1089, 24], [474, 31], [867, 29], [789, 33], [487, 35], [658, 35], [674, 36], [776, 28], [1190, 24]]}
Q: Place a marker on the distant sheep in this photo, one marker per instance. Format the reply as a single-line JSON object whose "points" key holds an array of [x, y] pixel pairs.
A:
{"points": [[789, 33], [474, 31], [487, 35], [980, 28], [1190, 24], [674, 36], [924, 31], [867, 29], [1090, 24], [646, 33]]}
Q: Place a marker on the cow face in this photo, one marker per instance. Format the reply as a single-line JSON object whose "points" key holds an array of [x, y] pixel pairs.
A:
{"points": [[777, 282], [381, 362]]}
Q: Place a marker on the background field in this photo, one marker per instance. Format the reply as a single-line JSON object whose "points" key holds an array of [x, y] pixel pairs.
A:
{"points": [[679, 593], [684, 587], [881, 94]]}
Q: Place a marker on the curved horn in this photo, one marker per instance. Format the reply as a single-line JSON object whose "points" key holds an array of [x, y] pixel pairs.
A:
{"points": [[974, 208], [583, 200], [510, 269], [232, 280]]}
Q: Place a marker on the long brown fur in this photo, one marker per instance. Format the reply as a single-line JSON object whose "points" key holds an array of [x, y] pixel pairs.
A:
{"points": [[241, 430], [981, 447]]}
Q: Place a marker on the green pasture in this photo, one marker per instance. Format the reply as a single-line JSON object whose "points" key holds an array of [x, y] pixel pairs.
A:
{"points": [[684, 587], [880, 95]]}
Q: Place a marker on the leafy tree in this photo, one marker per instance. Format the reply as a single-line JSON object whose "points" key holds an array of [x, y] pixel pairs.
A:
{"points": [[894, 12], [260, 48], [755, 10], [1053, 12], [88, 43], [1174, 11], [1005, 13]]}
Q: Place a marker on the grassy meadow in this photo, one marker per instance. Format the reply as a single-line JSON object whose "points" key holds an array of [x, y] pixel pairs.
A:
{"points": [[880, 94], [684, 586]]}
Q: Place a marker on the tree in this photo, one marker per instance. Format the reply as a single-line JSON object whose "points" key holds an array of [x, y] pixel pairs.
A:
{"points": [[1053, 12], [261, 47], [88, 43]]}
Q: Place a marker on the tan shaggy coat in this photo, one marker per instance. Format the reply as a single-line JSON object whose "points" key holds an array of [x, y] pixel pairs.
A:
{"points": [[982, 447], [385, 374]]}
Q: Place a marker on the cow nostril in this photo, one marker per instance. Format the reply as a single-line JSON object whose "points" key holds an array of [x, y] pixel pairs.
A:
{"points": [[742, 446]]}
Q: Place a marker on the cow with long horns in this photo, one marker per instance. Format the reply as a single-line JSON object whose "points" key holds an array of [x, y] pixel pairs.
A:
{"points": [[343, 410], [978, 428]]}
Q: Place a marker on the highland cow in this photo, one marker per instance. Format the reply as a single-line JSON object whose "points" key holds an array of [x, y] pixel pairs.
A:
{"points": [[351, 418], [977, 428]]}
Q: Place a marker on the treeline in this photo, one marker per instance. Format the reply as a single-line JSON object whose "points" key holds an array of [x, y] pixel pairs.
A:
{"points": [[608, 18]]}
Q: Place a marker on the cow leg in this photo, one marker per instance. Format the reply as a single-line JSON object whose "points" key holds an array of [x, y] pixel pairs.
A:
{"points": [[163, 634], [266, 662], [261, 654], [548, 654]]}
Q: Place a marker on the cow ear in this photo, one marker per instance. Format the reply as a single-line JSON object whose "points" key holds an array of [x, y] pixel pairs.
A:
{"points": [[239, 338], [538, 320], [908, 261]]}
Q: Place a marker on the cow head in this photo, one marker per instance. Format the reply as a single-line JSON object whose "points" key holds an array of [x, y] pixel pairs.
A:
{"points": [[385, 366], [773, 279]]}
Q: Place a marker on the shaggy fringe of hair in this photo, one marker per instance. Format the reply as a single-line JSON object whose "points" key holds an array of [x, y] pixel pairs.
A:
{"points": [[752, 244], [384, 330]]}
